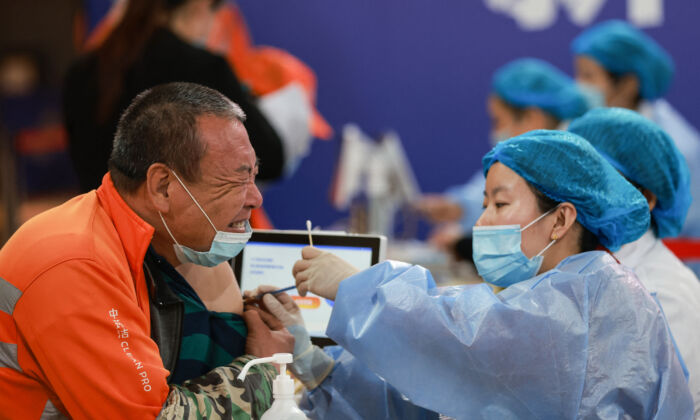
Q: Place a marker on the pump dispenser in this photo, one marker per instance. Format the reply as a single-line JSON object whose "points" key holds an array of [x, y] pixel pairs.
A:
{"points": [[284, 407]]}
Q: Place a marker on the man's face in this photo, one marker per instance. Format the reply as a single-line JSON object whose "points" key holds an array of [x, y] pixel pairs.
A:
{"points": [[226, 189]]}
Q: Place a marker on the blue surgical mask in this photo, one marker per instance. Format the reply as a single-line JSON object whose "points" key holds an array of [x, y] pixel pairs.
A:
{"points": [[225, 245], [593, 96], [497, 136], [498, 256]]}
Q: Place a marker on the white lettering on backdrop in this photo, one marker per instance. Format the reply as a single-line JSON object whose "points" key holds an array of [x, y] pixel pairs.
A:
{"points": [[534, 15]]}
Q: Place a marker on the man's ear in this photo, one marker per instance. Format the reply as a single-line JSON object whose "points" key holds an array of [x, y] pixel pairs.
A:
{"points": [[565, 218], [158, 184]]}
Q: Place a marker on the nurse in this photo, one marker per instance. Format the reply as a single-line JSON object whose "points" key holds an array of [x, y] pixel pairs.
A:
{"points": [[526, 94], [648, 158], [573, 335], [630, 70]]}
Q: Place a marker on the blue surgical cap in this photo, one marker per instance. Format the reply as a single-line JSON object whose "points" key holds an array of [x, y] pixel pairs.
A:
{"points": [[647, 156], [529, 82], [621, 48], [565, 167]]}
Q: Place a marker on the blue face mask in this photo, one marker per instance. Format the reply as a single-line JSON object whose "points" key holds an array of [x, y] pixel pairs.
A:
{"points": [[593, 96], [225, 245], [498, 256]]}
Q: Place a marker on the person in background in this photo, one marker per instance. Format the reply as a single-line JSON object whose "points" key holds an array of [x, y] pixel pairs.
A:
{"points": [[574, 334], [527, 94], [35, 167], [156, 41], [95, 322], [625, 68], [649, 159]]}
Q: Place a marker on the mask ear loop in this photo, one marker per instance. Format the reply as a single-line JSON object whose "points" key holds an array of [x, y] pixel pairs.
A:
{"points": [[168, 229], [537, 220], [195, 201], [540, 217], [546, 248]]}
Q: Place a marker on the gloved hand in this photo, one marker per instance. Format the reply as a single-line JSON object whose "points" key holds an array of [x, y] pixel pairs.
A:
{"points": [[311, 365], [320, 272], [282, 306]]}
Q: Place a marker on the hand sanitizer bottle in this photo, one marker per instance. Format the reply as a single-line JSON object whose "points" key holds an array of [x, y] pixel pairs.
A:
{"points": [[284, 407]]}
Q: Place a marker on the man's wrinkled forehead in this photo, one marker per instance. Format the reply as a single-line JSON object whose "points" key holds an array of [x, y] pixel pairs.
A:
{"points": [[226, 145]]}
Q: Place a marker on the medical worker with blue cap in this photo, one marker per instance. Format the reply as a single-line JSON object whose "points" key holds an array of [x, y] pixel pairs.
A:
{"points": [[648, 158], [630, 70], [526, 94], [573, 335]]}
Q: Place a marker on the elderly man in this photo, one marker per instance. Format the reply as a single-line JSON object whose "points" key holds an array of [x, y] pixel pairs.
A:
{"points": [[91, 309]]}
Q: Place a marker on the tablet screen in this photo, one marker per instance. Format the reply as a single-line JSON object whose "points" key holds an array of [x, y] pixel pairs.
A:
{"points": [[269, 256]]}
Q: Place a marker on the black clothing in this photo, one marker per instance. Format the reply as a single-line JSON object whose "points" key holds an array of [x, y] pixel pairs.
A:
{"points": [[167, 313], [166, 58]]}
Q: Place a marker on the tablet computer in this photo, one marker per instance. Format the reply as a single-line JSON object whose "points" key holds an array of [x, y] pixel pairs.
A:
{"points": [[269, 256]]}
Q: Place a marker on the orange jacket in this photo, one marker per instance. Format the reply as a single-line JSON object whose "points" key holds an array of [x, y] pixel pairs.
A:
{"points": [[74, 314]]}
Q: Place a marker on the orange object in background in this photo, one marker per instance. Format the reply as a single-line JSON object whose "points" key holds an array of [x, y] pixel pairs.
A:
{"points": [[686, 249], [95, 38], [41, 140], [264, 69], [259, 219], [307, 302]]}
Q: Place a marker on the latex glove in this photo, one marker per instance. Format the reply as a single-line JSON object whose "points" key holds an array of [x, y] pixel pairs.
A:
{"points": [[311, 364], [266, 334], [282, 306], [320, 272]]}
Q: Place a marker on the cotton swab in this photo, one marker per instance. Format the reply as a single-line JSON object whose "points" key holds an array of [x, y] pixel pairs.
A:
{"points": [[308, 228]]}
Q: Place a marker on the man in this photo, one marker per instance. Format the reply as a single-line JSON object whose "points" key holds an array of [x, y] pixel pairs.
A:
{"points": [[154, 42], [89, 325]]}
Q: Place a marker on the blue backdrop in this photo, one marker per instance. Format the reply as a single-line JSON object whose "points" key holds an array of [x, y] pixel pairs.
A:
{"points": [[423, 68]]}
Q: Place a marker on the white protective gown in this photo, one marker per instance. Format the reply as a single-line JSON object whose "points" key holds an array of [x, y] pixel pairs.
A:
{"points": [[678, 290], [584, 340]]}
